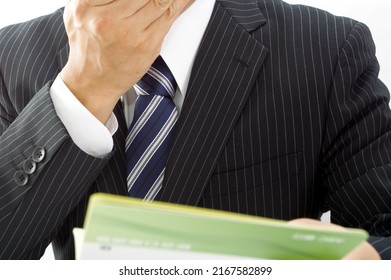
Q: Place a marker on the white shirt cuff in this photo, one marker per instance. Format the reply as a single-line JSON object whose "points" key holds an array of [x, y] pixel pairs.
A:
{"points": [[88, 133]]}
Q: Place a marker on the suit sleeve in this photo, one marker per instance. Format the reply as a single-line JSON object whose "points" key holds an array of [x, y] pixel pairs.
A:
{"points": [[43, 174], [356, 155]]}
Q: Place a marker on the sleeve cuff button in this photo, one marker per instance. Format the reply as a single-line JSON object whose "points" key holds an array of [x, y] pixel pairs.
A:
{"points": [[38, 154], [21, 178]]}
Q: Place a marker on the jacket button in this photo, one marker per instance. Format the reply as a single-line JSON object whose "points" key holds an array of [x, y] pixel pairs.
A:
{"points": [[29, 166], [38, 154], [21, 178]]}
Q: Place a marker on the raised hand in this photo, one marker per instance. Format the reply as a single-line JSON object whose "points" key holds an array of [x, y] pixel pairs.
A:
{"points": [[112, 45]]}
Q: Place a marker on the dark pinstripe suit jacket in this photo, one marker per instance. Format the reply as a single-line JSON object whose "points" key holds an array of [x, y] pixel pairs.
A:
{"points": [[284, 117]]}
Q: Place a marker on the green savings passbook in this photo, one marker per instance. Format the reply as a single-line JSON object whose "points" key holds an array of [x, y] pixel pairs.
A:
{"points": [[128, 228]]}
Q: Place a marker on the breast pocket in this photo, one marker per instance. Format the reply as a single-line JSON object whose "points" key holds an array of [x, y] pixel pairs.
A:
{"points": [[262, 185]]}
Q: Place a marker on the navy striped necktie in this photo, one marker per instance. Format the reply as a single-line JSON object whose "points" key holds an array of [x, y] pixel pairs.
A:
{"points": [[151, 133]]}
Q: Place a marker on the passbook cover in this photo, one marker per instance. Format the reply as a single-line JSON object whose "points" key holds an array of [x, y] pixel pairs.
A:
{"points": [[128, 228]]}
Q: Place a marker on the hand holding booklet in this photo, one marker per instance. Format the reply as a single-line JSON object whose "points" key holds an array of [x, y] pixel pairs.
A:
{"points": [[128, 228]]}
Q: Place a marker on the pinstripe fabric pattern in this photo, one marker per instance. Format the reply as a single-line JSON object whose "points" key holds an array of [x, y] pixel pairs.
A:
{"points": [[284, 117]]}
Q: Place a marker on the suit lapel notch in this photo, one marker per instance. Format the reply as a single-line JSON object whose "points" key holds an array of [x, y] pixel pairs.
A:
{"points": [[245, 12]]}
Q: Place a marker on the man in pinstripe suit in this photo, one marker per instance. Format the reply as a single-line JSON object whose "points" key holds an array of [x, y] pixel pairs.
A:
{"points": [[282, 115]]}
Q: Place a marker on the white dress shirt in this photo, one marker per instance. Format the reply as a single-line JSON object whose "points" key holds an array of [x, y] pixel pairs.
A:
{"points": [[178, 51]]}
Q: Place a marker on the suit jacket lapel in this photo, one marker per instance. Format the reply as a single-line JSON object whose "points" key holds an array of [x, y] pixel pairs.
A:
{"points": [[223, 75]]}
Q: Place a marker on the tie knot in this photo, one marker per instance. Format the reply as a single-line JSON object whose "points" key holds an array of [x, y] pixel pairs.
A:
{"points": [[157, 81]]}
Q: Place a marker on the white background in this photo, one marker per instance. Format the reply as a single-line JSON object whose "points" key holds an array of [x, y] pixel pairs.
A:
{"points": [[373, 13]]}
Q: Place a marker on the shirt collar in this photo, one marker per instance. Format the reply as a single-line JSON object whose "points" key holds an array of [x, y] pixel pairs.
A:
{"points": [[181, 43]]}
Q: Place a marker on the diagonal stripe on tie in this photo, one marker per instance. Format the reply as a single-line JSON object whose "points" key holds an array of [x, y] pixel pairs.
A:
{"points": [[151, 133], [153, 148]]}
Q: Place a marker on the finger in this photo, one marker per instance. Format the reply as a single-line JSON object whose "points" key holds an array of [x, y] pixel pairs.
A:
{"points": [[82, 7], [96, 3], [157, 30], [165, 18], [121, 5], [122, 8], [162, 3], [174, 10], [364, 251], [148, 14]]}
